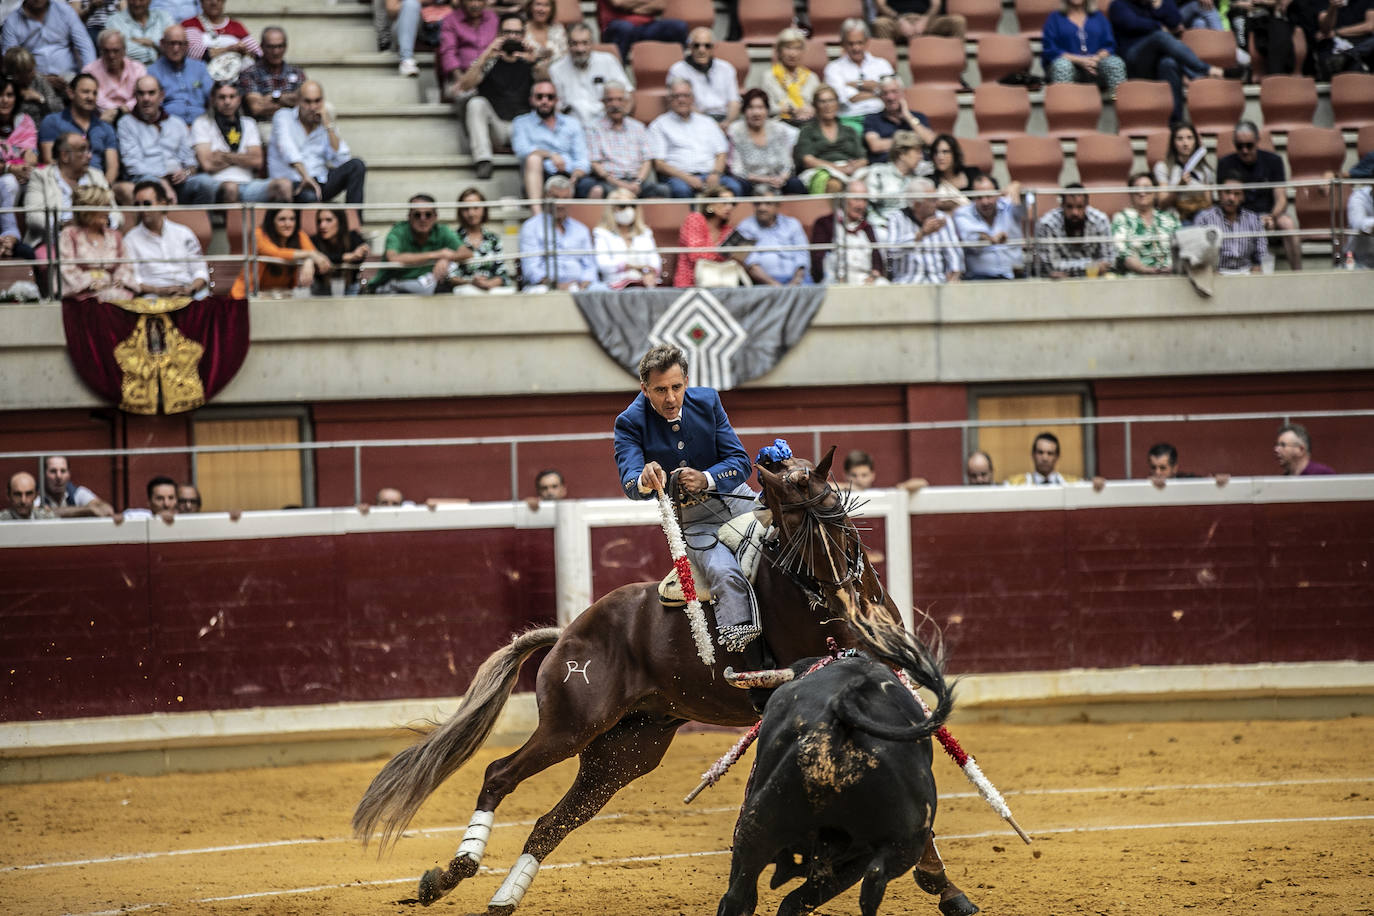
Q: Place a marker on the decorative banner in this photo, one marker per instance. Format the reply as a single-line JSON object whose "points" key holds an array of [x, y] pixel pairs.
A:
{"points": [[729, 335], [156, 355]]}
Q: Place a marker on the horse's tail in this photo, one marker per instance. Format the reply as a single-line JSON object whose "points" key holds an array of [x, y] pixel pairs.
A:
{"points": [[893, 645], [408, 778]]}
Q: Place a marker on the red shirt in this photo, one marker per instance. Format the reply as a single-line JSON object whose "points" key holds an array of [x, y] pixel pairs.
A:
{"points": [[696, 233]]}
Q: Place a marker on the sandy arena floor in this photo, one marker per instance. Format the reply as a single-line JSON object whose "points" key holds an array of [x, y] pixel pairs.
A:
{"points": [[1128, 820]]}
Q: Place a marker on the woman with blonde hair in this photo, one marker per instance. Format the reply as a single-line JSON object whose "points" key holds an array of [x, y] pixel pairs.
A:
{"points": [[788, 84], [90, 250], [1077, 46], [543, 34], [625, 251]]}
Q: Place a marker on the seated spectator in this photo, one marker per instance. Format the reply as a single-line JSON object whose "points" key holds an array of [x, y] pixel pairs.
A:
{"points": [[115, 76], [188, 499], [978, 470], [626, 254], [996, 220], [1058, 255], [38, 98], [228, 151], [688, 148], [543, 33], [1293, 451], [788, 84], [344, 247], [828, 151], [582, 76], [849, 253], [767, 228], [761, 148], [464, 34], [179, 10], [271, 84], [185, 82], [169, 259], [156, 146], [425, 248], [618, 151], [287, 259], [23, 500], [1201, 14], [55, 34], [1359, 219], [18, 150], [567, 261], [920, 241], [1144, 234], [903, 20], [888, 181], [859, 471], [1077, 46], [142, 28], [468, 276], [855, 73], [624, 22], [714, 82], [1045, 457], [1345, 37], [162, 500], [82, 117], [548, 143], [896, 115], [704, 232], [413, 21], [90, 251], [1277, 42], [213, 34], [951, 176], [307, 149], [65, 498], [1144, 34], [1255, 165], [503, 78], [52, 188], [1185, 163], [1242, 253]]}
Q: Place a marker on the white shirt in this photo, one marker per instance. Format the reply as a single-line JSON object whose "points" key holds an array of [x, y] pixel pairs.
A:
{"points": [[157, 255], [858, 257], [580, 88], [842, 71], [690, 144], [291, 144], [206, 131], [1359, 214], [618, 261], [714, 90]]}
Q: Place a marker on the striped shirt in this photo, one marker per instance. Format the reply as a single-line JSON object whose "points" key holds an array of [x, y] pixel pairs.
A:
{"points": [[1238, 252], [930, 259], [1057, 255], [621, 151]]}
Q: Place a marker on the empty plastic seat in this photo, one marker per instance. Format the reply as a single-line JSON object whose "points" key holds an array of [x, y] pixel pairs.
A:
{"points": [[1035, 161], [762, 20], [1364, 141], [1002, 55], [1104, 159], [611, 49], [567, 11], [650, 61], [1288, 101], [936, 62], [815, 57], [1143, 106], [981, 16], [1156, 147], [977, 152], [736, 53], [1352, 100], [1215, 105], [1313, 152], [1072, 108], [884, 48], [649, 104], [826, 16], [696, 13], [806, 210], [236, 230], [1001, 110], [1216, 48], [664, 220], [198, 221], [940, 106], [1031, 15]]}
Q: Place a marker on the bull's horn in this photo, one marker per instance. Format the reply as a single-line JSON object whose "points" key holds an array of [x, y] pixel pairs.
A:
{"points": [[767, 678]]}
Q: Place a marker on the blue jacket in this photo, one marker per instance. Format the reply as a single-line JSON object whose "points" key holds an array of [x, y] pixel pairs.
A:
{"points": [[1060, 36], [700, 438], [1131, 22]]}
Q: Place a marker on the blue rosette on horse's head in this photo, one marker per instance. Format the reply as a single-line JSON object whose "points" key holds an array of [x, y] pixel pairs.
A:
{"points": [[770, 456]]}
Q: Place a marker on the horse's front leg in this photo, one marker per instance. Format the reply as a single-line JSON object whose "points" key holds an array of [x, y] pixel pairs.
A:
{"points": [[437, 882]]}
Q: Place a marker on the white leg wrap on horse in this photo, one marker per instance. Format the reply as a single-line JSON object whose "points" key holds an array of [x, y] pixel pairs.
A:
{"points": [[518, 880], [474, 843]]}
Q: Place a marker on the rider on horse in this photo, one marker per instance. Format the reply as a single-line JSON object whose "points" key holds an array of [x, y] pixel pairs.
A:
{"points": [[671, 429]]}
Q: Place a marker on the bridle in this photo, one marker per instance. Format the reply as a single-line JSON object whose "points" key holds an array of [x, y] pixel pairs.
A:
{"points": [[787, 551]]}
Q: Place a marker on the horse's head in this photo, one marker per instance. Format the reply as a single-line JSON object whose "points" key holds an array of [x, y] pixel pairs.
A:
{"points": [[817, 540]]}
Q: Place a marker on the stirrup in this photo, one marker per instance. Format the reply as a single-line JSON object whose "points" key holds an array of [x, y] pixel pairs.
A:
{"points": [[737, 637]]}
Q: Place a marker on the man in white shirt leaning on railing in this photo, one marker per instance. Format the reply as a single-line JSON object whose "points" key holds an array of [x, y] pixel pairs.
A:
{"points": [[169, 259]]}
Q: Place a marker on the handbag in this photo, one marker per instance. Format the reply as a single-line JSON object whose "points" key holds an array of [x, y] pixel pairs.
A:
{"points": [[721, 274]]}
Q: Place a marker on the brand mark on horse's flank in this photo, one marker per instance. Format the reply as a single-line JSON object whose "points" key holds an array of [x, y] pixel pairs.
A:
{"points": [[573, 669]]}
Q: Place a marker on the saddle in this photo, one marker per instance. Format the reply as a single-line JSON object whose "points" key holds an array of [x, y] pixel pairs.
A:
{"points": [[744, 536]]}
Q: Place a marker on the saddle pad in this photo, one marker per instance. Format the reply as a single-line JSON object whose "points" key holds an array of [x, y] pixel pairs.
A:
{"points": [[743, 535]]}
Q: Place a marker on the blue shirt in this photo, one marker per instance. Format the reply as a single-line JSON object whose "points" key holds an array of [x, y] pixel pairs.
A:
{"points": [[179, 10], [528, 133], [992, 261], [291, 144], [101, 135], [780, 265], [571, 236], [153, 150], [1061, 36], [60, 42], [187, 89], [700, 438], [877, 123]]}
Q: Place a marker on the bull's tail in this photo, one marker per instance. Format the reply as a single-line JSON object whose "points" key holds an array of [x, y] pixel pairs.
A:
{"points": [[408, 778], [894, 646]]}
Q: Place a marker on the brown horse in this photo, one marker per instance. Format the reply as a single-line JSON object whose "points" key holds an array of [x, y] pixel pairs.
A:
{"points": [[623, 677]]}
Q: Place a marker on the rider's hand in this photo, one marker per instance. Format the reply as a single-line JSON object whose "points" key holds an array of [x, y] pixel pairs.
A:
{"points": [[693, 481], [652, 478]]}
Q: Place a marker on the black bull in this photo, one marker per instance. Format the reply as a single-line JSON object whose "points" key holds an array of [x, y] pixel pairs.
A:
{"points": [[842, 788]]}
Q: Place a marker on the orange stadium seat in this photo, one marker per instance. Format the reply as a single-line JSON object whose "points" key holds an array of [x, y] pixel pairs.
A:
{"points": [[234, 230], [1105, 160], [1352, 100], [1215, 105], [1156, 147], [1003, 55], [1216, 48], [826, 16], [1142, 106], [815, 57], [736, 53], [696, 13], [884, 48], [940, 106], [665, 219], [977, 152], [650, 61], [807, 210], [611, 49], [1315, 152], [936, 62], [1000, 110], [1072, 108], [567, 11], [1035, 161], [649, 104], [982, 16], [762, 20], [1031, 15], [1288, 101]]}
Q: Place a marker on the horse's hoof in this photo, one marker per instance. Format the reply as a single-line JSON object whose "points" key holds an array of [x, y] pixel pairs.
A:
{"points": [[461, 868], [434, 884], [931, 882], [958, 906]]}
